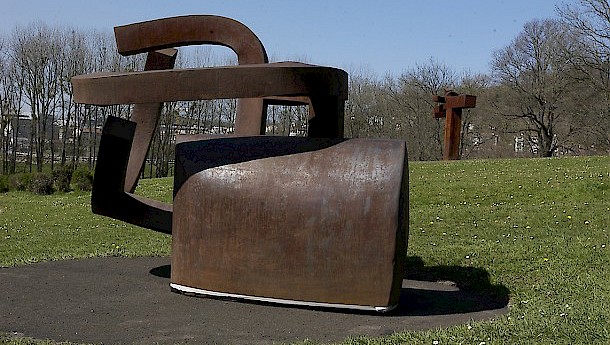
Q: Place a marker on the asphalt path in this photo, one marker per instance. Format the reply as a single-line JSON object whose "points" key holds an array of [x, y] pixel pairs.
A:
{"points": [[129, 301]]}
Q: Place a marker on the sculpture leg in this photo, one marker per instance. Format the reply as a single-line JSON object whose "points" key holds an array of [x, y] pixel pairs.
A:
{"points": [[108, 197], [146, 117], [250, 118], [453, 126], [327, 120]]}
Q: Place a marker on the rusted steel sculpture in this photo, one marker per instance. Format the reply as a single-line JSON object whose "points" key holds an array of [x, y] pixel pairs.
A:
{"points": [[316, 221], [450, 107]]}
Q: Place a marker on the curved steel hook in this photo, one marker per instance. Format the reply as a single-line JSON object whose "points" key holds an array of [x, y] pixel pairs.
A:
{"points": [[154, 37]]}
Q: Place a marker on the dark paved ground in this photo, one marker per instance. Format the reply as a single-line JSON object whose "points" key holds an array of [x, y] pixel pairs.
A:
{"points": [[119, 300]]}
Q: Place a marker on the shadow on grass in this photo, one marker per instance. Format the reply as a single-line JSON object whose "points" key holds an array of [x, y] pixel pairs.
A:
{"points": [[429, 291], [440, 290]]}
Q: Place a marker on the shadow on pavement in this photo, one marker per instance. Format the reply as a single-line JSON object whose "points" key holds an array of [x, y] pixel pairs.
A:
{"points": [[426, 291]]}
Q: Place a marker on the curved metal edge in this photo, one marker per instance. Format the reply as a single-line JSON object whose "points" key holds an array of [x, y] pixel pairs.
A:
{"points": [[187, 289], [248, 81], [196, 30], [191, 30], [195, 156], [108, 197], [146, 116], [402, 235]]}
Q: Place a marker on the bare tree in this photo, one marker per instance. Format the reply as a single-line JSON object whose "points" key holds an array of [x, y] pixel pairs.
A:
{"points": [[76, 60], [12, 99], [412, 93], [479, 133], [362, 117], [534, 74], [36, 50], [590, 23], [5, 111]]}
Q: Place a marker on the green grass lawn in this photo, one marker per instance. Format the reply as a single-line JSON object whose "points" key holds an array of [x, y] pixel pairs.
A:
{"points": [[539, 228]]}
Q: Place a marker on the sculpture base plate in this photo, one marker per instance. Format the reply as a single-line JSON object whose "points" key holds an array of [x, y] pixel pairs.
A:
{"points": [[191, 290]]}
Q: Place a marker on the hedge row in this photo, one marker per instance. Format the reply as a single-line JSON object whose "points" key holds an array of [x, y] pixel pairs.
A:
{"points": [[63, 179]]}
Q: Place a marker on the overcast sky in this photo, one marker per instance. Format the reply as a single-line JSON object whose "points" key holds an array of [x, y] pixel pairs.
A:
{"points": [[378, 36]]}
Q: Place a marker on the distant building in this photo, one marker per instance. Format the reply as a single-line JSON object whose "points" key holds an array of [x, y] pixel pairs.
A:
{"points": [[519, 143], [23, 124]]}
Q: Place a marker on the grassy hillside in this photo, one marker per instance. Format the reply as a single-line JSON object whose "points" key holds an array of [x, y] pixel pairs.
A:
{"points": [[539, 228]]}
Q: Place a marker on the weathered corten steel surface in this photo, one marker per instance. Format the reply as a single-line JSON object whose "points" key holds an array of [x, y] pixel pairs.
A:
{"points": [[325, 87], [294, 218], [202, 29], [260, 80], [191, 30], [450, 107], [146, 116], [108, 196], [314, 220]]}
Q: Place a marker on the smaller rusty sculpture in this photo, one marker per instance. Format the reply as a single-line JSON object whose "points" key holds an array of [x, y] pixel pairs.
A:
{"points": [[316, 221], [450, 107]]}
